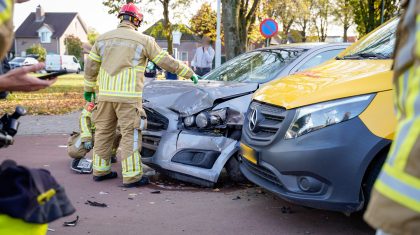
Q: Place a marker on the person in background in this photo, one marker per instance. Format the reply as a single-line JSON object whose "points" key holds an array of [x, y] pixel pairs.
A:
{"points": [[203, 58], [394, 206]]}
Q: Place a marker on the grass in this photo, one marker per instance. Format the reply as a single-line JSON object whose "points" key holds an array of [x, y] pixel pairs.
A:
{"points": [[65, 96]]}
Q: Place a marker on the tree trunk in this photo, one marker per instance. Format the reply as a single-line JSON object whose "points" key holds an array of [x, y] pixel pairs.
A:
{"points": [[230, 13], [303, 33], [167, 26], [345, 29]]}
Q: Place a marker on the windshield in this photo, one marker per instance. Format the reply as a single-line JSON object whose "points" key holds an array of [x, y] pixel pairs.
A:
{"points": [[256, 66], [378, 45], [18, 60]]}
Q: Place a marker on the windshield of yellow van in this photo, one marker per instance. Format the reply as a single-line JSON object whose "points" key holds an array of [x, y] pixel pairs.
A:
{"points": [[378, 45], [256, 66]]}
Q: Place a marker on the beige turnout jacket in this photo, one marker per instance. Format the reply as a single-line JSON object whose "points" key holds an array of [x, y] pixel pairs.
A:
{"points": [[117, 61]]}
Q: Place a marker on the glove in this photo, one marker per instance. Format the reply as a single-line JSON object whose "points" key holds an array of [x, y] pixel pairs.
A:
{"points": [[195, 78], [88, 145], [88, 96]]}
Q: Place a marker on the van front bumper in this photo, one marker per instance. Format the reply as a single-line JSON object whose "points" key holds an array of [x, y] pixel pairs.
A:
{"points": [[323, 169]]}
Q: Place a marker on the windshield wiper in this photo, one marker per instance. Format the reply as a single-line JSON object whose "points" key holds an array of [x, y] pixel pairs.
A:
{"points": [[360, 56]]}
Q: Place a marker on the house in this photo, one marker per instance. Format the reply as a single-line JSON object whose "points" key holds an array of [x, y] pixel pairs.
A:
{"points": [[184, 41], [50, 30]]}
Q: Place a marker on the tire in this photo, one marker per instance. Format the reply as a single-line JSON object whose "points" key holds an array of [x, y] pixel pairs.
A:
{"points": [[232, 168], [372, 174], [78, 71]]}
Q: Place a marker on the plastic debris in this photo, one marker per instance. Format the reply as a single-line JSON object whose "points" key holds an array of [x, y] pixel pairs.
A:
{"points": [[236, 198], [216, 190], [96, 204], [286, 210], [71, 223], [155, 192], [103, 193], [51, 230]]}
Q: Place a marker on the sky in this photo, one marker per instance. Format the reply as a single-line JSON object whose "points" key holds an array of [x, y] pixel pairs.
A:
{"points": [[96, 15]]}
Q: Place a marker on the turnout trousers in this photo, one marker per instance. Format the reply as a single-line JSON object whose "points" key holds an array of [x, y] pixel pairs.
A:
{"points": [[127, 117]]}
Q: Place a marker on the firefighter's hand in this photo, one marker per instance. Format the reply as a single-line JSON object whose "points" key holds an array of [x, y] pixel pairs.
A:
{"points": [[20, 79], [88, 145], [89, 95], [195, 78]]}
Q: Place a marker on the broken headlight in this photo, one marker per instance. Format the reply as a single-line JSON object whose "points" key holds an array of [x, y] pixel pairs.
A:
{"points": [[206, 119], [314, 117]]}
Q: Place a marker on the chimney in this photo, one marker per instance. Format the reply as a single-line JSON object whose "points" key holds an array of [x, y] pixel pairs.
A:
{"points": [[40, 14]]}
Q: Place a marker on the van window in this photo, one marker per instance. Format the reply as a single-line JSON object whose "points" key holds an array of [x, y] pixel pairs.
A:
{"points": [[319, 59], [377, 45], [75, 60]]}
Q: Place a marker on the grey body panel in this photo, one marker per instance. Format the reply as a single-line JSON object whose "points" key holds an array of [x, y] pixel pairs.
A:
{"points": [[175, 99]]}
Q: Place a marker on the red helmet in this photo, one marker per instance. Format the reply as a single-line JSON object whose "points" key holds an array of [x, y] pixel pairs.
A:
{"points": [[132, 12]]}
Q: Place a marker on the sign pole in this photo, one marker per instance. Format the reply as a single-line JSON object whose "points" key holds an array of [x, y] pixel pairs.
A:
{"points": [[218, 39]]}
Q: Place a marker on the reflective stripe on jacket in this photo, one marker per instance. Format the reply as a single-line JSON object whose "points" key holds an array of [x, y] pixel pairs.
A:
{"points": [[86, 126], [117, 63]]}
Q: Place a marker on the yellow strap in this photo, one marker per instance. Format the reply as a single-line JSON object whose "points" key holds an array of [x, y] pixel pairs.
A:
{"points": [[45, 197], [159, 57], [95, 57], [89, 83]]}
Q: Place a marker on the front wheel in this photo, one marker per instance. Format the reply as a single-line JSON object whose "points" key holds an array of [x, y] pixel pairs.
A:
{"points": [[78, 71], [232, 168]]}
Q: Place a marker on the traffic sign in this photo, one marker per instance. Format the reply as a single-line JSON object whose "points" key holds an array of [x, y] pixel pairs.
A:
{"points": [[269, 28]]}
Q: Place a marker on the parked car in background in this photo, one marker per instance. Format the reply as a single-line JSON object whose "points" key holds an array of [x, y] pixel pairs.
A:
{"points": [[18, 62], [320, 137], [59, 62], [193, 131]]}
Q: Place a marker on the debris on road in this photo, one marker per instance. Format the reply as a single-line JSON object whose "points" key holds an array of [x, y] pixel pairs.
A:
{"points": [[151, 203], [71, 223], [155, 192], [286, 210], [216, 190], [51, 230], [236, 198], [103, 193], [96, 204]]}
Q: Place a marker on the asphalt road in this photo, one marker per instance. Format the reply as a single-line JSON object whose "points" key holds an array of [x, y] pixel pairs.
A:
{"points": [[178, 209]]}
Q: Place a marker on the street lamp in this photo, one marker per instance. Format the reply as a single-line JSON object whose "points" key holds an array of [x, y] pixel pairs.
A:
{"points": [[218, 39]]}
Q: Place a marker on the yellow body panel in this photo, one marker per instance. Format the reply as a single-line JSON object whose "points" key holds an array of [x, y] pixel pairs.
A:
{"points": [[332, 80], [379, 117]]}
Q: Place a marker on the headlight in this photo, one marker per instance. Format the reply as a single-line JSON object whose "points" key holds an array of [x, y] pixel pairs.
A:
{"points": [[207, 118], [189, 121], [317, 116]]}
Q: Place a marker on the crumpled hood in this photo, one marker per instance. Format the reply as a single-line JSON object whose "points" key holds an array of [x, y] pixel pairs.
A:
{"points": [[333, 80], [186, 98]]}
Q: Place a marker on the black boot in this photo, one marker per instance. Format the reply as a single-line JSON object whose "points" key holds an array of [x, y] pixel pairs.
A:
{"points": [[111, 175], [142, 182], [113, 159]]}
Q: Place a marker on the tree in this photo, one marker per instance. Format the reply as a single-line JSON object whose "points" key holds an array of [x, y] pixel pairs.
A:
{"points": [[367, 13], [74, 46], [304, 16], [320, 14], [284, 12], [92, 35], [38, 50], [238, 18], [114, 6], [203, 23], [343, 13]]}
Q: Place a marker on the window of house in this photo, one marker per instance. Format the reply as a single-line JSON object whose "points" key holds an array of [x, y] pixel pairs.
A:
{"points": [[44, 35], [184, 56]]}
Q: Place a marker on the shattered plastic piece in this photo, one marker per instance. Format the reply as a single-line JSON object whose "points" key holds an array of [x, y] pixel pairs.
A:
{"points": [[132, 194], [51, 230], [236, 198], [155, 192], [96, 204], [286, 210], [103, 193], [71, 223], [216, 190]]}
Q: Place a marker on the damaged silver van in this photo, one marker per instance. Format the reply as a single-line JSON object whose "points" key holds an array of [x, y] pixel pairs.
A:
{"points": [[193, 131]]}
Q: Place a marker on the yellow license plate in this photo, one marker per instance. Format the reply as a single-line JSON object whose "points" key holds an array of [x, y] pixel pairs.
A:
{"points": [[248, 153]]}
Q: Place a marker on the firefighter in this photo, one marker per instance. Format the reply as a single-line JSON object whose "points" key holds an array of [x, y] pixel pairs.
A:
{"points": [[117, 63], [79, 144], [395, 203]]}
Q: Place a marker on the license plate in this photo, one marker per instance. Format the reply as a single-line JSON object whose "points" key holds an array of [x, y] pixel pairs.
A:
{"points": [[248, 153]]}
